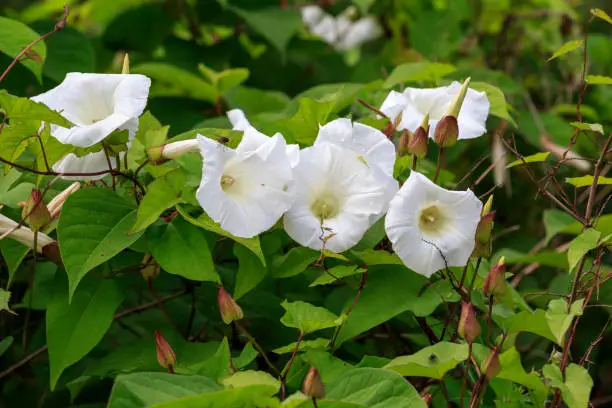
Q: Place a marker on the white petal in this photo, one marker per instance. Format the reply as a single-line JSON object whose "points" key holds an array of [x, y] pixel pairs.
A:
{"points": [[238, 119], [131, 95], [472, 118], [393, 104], [89, 135], [326, 28], [311, 15], [253, 140], [90, 163], [365, 141], [359, 32], [293, 153], [421, 251]]}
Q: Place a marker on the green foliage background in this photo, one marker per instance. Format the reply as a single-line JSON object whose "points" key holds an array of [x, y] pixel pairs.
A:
{"points": [[209, 56]]}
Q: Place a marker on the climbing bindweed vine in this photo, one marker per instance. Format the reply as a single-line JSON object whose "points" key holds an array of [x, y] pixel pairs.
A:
{"points": [[335, 249]]}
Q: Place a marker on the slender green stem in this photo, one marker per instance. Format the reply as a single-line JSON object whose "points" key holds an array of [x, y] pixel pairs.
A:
{"points": [[471, 288], [255, 344], [24, 335], [467, 373], [438, 164], [415, 159]]}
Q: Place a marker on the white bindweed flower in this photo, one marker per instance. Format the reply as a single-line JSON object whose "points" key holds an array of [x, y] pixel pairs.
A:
{"points": [[408, 109], [97, 105], [336, 198], [340, 32], [23, 234], [369, 145], [239, 121], [431, 227], [245, 190]]}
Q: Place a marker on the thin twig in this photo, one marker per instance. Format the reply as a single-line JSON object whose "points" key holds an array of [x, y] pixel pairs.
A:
{"points": [[255, 344], [58, 26], [362, 284], [289, 363]]}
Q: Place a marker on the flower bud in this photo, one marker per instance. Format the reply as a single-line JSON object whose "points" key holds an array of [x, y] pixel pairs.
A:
{"points": [[51, 252], [165, 355], [161, 154], [125, 69], [491, 365], [149, 269], [58, 201], [230, 311], [469, 328], [484, 230], [420, 139], [495, 283], [404, 142], [313, 386], [447, 130], [426, 399], [156, 155], [23, 234], [35, 212]]}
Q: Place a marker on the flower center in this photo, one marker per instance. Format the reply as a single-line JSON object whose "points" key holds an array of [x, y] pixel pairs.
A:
{"points": [[227, 182], [431, 220], [325, 207]]}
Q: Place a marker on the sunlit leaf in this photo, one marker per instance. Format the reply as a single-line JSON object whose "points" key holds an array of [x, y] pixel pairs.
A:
{"points": [[308, 318], [581, 245], [534, 158], [567, 47], [585, 181], [432, 362]]}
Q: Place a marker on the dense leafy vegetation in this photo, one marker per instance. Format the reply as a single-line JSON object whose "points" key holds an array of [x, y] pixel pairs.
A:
{"points": [[139, 269]]}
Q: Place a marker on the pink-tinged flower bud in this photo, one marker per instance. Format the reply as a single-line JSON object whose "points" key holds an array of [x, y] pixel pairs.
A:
{"points": [[420, 139], [447, 130], [313, 386], [58, 201], [495, 283], [469, 328], [491, 365], [165, 355], [35, 212], [51, 252], [230, 311], [426, 399], [404, 142]]}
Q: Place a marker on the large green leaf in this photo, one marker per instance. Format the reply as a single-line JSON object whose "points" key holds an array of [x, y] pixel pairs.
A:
{"points": [[254, 396], [141, 390], [418, 71], [391, 290], [559, 319], [204, 221], [432, 362], [24, 118], [555, 221], [274, 24], [14, 37], [162, 194], [5, 297], [68, 50], [250, 271], [93, 227], [181, 248], [374, 388], [308, 318], [512, 369], [581, 245], [304, 125], [173, 81], [293, 262], [499, 106], [576, 388], [74, 328]]}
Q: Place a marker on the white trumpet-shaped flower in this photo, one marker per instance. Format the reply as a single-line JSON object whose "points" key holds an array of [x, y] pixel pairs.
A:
{"points": [[97, 105], [336, 198], [370, 146], [23, 234], [431, 227], [410, 107], [239, 121], [245, 190], [340, 32]]}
